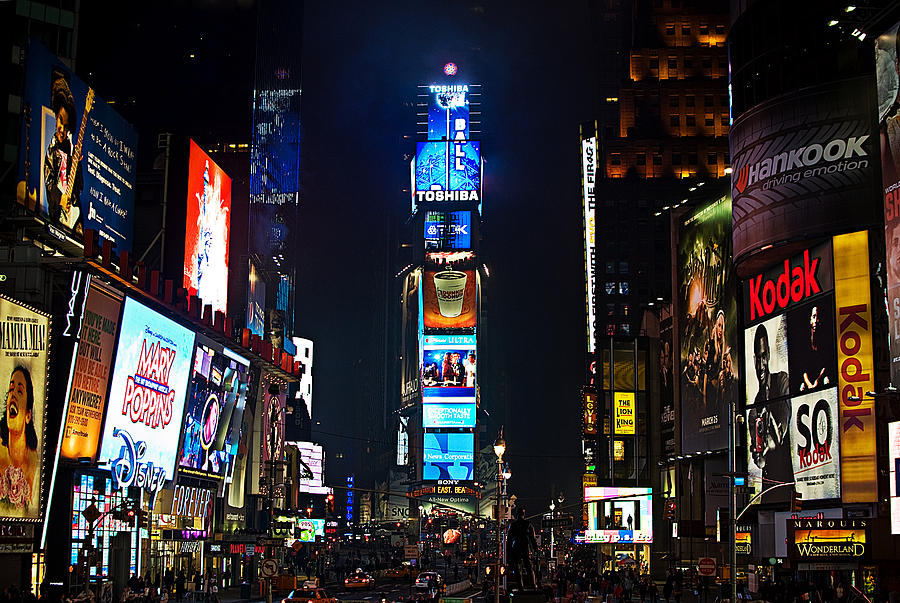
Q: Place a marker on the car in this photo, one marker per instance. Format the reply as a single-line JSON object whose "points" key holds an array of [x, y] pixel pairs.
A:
{"points": [[403, 571], [430, 582], [359, 579], [309, 595]]}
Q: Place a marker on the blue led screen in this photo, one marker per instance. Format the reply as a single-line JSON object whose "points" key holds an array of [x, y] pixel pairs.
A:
{"points": [[448, 230], [448, 456]]}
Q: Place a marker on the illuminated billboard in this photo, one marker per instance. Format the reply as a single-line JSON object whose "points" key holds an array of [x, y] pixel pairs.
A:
{"points": [[894, 474], [589, 413], [449, 369], [448, 112], [207, 230], [588, 173], [624, 413], [449, 291], [311, 467], [64, 125], [214, 411], [307, 530], [889, 133], [707, 305], [618, 515], [256, 302], [89, 376], [448, 230], [448, 414], [448, 171], [272, 438], [24, 353], [146, 397], [410, 367], [828, 539], [448, 456]]}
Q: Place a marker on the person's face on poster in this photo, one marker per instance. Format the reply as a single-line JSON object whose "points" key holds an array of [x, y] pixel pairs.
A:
{"points": [[17, 413], [813, 323], [62, 124], [720, 327], [761, 358], [894, 252]]}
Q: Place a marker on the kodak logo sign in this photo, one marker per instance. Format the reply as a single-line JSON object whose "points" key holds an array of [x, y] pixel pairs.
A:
{"points": [[793, 285]]}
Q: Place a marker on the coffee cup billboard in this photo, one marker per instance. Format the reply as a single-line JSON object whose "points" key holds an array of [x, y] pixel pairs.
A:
{"points": [[449, 291]]}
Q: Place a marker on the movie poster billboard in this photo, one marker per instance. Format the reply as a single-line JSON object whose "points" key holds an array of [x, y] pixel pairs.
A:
{"points": [[214, 411], [207, 230], [147, 393], [90, 374], [410, 368], [77, 159], [707, 310], [449, 369], [449, 291], [24, 348], [666, 387], [888, 85], [272, 445]]}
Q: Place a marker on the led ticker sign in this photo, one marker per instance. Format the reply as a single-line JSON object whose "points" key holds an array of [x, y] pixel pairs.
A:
{"points": [[618, 515]]}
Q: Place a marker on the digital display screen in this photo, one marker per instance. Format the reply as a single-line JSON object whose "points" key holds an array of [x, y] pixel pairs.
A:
{"points": [[310, 470], [448, 171], [207, 230], [448, 112], [448, 456], [448, 230], [214, 411], [149, 385], [81, 174], [449, 291], [449, 369], [448, 415], [308, 529], [619, 515]]}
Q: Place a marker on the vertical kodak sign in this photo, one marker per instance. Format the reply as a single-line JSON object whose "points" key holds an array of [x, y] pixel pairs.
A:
{"points": [[853, 315]]}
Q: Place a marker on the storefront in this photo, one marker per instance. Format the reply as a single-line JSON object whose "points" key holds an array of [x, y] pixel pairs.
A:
{"points": [[181, 524], [16, 547]]}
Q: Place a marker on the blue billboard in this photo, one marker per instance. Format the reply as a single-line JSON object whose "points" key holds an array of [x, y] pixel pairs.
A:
{"points": [[448, 456], [449, 369], [77, 160], [448, 112], [448, 171], [448, 230], [448, 414]]}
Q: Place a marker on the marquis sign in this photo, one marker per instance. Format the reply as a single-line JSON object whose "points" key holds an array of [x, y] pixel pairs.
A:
{"points": [[831, 539]]}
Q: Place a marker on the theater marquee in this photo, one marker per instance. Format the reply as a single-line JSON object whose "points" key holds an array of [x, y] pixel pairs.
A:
{"points": [[828, 539]]}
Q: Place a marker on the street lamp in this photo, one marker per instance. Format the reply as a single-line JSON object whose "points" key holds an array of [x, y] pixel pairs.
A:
{"points": [[499, 450]]}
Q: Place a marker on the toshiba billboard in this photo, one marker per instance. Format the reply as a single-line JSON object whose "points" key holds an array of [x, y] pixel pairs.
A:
{"points": [[808, 346]]}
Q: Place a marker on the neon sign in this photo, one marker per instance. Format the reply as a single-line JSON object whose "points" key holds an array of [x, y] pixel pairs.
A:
{"points": [[128, 469]]}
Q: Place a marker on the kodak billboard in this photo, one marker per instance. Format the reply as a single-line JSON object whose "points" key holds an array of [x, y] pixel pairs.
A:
{"points": [[853, 314]]}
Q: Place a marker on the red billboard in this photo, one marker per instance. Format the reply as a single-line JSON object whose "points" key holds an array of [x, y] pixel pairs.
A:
{"points": [[207, 230]]}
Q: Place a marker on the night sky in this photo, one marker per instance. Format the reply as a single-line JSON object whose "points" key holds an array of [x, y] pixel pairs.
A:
{"points": [[361, 63]]}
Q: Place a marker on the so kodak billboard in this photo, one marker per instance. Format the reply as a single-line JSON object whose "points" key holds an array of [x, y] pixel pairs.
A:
{"points": [[808, 345]]}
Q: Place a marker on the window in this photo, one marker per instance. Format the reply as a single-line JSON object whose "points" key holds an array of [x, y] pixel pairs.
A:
{"points": [[674, 120], [685, 30], [610, 287], [654, 63], [720, 29], [711, 159], [623, 267], [709, 120], [724, 119], [670, 29], [708, 100], [688, 63], [623, 287], [673, 101], [707, 63], [657, 159], [704, 29], [691, 120], [610, 267], [673, 62], [692, 158], [641, 159], [689, 100], [676, 158], [615, 159]]}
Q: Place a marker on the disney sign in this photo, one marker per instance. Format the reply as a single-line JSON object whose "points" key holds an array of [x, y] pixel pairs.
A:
{"points": [[129, 470]]}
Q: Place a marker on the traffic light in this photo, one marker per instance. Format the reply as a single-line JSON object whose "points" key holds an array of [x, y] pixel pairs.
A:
{"points": [[796, 501], [143, 519], [130, 517], [329, 503]]}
